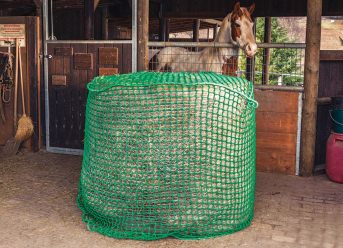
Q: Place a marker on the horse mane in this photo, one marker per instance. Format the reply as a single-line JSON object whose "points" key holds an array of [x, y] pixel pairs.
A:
{"points": [[246, 13]]}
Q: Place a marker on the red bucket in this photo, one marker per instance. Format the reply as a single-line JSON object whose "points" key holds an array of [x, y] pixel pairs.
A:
{"points": [[334, 157]]}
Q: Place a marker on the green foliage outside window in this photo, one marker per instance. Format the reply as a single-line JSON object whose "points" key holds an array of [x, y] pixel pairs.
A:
{"points": [[285, 63]]}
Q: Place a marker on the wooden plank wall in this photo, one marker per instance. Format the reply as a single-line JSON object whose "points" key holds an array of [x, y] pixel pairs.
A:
{"points": [[31, 77], [330, 84], [67, 102], [276, 131]]}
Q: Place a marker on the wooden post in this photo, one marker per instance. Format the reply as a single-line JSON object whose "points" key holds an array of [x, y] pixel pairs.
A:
{"points": [[89, 19], [142, 35], [196, 26], [266, 51], [105, 22], [167, 29], [163, 29], [309, 113], [163, 24]]}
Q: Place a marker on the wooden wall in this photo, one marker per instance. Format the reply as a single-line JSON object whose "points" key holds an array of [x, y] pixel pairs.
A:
{"points": [[276, 131], [31, 75], [71, 67], [330, 84]]}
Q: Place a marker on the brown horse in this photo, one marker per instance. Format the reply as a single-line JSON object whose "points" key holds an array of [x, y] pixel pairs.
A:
{"points": [[236, 29]]}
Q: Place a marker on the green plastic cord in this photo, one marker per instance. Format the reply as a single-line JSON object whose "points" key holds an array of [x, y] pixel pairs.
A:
{"points": [[168, 154]]}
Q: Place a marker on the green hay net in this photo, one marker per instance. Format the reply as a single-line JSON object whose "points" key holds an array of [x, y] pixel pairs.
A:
{"points": [[168, 154]]}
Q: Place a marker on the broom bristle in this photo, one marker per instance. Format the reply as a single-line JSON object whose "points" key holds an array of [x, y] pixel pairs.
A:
{"points": [[25, 129]]}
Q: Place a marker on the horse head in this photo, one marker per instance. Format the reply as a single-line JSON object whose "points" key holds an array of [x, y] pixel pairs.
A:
{"points": [[240, 23]]}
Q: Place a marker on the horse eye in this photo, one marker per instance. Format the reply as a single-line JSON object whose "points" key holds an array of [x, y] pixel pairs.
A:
{"points": [[237, 23]]}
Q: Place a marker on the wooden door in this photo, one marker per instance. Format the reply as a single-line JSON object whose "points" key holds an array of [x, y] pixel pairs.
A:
{"points": [[70, 68]]}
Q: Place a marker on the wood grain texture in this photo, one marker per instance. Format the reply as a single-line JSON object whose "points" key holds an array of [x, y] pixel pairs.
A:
{"points": [[31, 79], [108, 55], [311, 81], [67, 104], [277, 101], [59, 80], [276, 142], [63, 51], [276, 162], [83, 61], [275, 122], [331, 55], [107, 71], [276, 131]]}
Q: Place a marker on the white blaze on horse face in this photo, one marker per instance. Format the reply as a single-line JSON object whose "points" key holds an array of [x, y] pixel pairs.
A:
{"points": [[247, 40]]}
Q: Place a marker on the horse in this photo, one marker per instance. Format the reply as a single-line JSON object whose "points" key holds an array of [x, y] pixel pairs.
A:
{"points": [[236, 28]]}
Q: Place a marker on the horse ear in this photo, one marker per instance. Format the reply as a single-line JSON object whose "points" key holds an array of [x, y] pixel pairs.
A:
{"points": [[252, 8], [237, 9]]}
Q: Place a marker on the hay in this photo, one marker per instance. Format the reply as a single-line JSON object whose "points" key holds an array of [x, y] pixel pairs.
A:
{"points": [[168, 159], [25, 129]]}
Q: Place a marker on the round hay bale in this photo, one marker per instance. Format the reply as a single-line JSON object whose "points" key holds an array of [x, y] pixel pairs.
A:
{"points": [[168, 154]]}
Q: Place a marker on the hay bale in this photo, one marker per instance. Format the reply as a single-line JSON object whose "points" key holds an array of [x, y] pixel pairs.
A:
{"points": [[168, 154]]}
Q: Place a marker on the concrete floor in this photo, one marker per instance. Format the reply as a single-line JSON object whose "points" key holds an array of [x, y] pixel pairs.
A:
{"points": [[37, 209]]}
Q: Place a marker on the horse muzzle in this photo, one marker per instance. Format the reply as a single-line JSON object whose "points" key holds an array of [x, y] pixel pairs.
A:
{"points": [[250, 49]]}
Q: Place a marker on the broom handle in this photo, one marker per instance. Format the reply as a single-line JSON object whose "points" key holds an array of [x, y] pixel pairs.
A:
{"points": [[15, 86], [21, 83]]}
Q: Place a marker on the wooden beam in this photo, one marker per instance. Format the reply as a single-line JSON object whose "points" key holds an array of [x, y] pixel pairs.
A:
{"points": [[105, 22], [211, 21], [331, 55], [163, 29], [266, 51], [142, 35], [196, 26], [89, 19], [163, 25], [311, 80]]}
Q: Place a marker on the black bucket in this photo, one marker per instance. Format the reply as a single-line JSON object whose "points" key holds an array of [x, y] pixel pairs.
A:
{"points": [[336, 114]]}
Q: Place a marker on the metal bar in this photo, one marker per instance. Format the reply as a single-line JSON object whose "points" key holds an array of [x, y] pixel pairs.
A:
{"points": [[46, 63], [297, 155], [134, 36], [223, 45], [68, 151], [279, 88], [46, 78], [89, 41], [266, 51], [281, 45]]}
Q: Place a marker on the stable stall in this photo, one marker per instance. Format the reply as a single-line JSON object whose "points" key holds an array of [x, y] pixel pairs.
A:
{"points": [[84, 39]]}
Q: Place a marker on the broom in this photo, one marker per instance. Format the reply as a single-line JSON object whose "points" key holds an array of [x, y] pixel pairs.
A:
{"points": [[25, 124]]}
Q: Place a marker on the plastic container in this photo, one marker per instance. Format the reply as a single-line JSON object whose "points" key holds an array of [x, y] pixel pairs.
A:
{"points": [[334, 157], [336, 116]]}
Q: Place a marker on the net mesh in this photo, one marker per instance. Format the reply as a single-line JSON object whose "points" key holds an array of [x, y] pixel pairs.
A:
{"points": [[168, 154]]}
